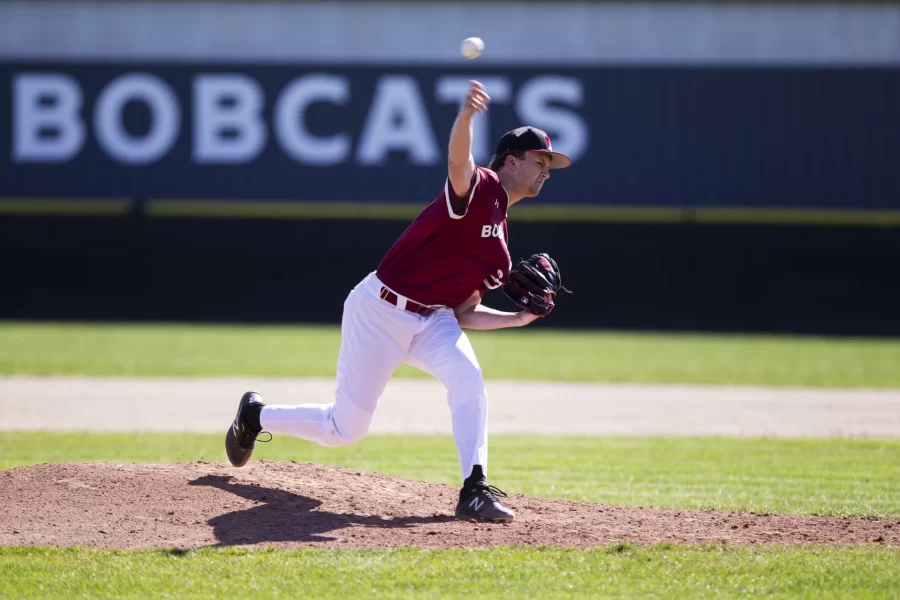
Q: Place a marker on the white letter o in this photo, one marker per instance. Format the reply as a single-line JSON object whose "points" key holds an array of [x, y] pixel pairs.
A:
{"points": [[165, 119]]}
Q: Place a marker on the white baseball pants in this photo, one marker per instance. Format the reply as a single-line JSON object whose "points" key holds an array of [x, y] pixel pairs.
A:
{"points": [[376, 338]]}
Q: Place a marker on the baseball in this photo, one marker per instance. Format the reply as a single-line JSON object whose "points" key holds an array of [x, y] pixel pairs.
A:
{"points": [[472, 47]]}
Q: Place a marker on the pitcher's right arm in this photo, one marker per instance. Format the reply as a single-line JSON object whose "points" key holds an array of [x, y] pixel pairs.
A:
{"points": [[460, 163]]}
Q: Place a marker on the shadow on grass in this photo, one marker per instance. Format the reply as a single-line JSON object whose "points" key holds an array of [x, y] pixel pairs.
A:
{"points": [[287, 517]]}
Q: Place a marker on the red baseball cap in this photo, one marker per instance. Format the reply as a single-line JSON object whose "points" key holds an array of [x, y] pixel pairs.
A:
{"points": [[532, 139]]}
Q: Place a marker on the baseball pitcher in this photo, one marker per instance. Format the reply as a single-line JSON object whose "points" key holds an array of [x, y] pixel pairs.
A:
{"points": [[414, 306]]}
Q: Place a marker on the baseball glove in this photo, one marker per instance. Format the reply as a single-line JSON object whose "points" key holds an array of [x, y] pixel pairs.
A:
{"points": [[533, 284]]}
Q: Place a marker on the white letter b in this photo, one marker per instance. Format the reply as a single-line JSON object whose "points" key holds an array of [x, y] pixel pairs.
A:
{"points": [[212, 119], [34, 118]]}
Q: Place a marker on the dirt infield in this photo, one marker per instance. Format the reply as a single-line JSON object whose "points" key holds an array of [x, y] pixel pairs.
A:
{"points": [[287, 505], [191, 505], [418, 406]]}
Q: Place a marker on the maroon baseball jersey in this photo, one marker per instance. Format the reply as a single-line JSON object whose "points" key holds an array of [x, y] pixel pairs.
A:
{"points": [[454, 247]]}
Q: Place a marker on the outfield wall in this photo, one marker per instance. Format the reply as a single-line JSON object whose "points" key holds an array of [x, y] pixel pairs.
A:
{"points": [[643, 138], [836, 280], [735, 163], [665, 107]]}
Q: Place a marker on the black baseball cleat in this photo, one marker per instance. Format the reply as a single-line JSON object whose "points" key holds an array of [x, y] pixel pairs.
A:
{"points": [[479, 501], [241, 437]]}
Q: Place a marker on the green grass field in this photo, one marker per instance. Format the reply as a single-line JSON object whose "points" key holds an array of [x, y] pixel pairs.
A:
{"points": [[620, 571], [823, 477], [303, 351], [855, 477], [828, 477]]}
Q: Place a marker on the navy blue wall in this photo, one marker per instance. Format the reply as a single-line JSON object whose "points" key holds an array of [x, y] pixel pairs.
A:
{"points": [[819, 137], [666, 277], [799, 138]]}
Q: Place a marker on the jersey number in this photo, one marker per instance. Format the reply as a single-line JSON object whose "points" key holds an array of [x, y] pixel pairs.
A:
{"points": [[491, 282]]}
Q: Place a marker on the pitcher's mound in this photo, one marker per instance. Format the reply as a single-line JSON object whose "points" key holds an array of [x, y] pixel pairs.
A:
{"points": [[189, 505]]}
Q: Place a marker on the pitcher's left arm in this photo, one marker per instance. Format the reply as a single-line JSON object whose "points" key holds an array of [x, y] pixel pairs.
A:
{"points": [[471, 314]]}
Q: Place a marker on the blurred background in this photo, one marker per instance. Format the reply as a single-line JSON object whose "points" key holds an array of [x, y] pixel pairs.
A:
{"points": [[736, 164]]}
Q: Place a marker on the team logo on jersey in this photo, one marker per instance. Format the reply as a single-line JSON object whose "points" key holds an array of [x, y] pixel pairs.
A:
{"points": [[488, 231], [492, 282]]}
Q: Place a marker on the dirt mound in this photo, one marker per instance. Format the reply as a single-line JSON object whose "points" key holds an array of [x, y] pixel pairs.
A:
{"points": [[189, 505]]}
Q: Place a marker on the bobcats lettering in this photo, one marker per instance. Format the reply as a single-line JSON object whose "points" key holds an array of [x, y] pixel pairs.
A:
{"points": [[237, 117], [492, 231]]}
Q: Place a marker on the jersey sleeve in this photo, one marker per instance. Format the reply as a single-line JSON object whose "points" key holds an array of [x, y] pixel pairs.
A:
{"points": [[458, 206], [491, 282]]}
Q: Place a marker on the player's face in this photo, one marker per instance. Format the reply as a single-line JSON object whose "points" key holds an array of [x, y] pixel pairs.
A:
{"points": [[534, 170]]}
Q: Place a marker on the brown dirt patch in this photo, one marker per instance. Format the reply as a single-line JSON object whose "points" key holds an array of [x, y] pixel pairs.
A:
{"points": [[189, 505]]}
